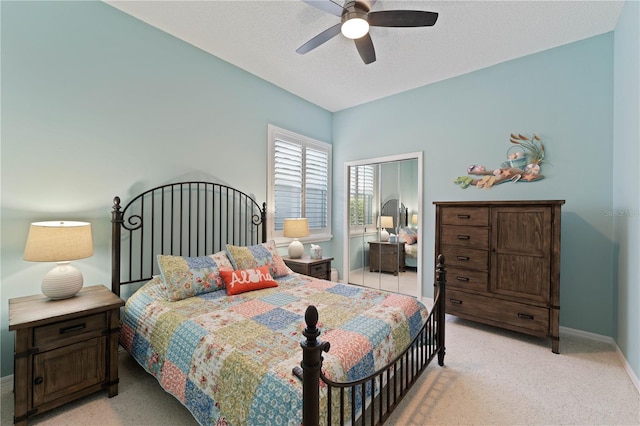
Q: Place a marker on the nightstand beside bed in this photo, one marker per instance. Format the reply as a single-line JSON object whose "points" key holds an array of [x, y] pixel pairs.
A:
{"points": [[64, 349], [317, 268]]}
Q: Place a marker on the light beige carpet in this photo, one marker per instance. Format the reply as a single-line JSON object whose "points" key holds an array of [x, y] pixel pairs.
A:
{"points": [[491, 377]]}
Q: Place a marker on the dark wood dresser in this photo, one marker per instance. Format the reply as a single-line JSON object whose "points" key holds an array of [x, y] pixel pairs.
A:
{"points": [[64, 349], [386, 257], [503, 263]]}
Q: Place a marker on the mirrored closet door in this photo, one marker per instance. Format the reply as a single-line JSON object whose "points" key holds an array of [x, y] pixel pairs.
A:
{"points": [[383, 206]]}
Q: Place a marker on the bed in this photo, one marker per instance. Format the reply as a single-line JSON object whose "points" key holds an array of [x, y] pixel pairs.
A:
{"points": [[237, 337], [406, 234]]}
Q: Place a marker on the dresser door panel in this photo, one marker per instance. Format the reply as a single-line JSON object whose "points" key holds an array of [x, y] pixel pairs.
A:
{"points": [[521, 253]]}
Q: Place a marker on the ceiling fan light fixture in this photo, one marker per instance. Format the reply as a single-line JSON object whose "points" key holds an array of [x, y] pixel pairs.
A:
{"points": [[354, 25]]}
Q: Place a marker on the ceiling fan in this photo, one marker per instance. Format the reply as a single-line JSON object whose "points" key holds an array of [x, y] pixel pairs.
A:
{"points": [[355, 20]]}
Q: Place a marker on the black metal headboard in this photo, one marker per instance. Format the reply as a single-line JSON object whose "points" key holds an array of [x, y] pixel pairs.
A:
{"points": [[397, 210], [183, 219]]}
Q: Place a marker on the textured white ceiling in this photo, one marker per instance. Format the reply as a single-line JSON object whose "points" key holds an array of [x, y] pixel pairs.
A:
{"points": [[262, 36]]}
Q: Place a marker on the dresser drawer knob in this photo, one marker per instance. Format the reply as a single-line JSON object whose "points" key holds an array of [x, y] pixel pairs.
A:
{"points": [[456, 301], [463, 258], [525, 316], [464, 216], [464, 237], [73, 328], [462, 279], [38, 380]]}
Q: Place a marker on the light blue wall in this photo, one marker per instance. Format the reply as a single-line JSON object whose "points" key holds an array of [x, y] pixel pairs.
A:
{"points": [[626, 178], [97, 104], [565, 95]]}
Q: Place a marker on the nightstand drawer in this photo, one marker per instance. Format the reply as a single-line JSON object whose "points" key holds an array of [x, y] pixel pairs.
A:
{"points": [[319, 270], [388, 249], [53, 333]]}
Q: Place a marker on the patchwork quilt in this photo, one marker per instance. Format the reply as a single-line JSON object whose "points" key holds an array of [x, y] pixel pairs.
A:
{"points": [[229, 359]]}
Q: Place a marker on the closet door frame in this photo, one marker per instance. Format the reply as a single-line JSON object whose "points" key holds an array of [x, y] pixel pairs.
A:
{"points": [[346, 224]]}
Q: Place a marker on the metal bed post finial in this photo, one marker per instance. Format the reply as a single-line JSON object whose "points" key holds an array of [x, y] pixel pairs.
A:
{"points": [[116, 222], [441, 280], [311, 364]]}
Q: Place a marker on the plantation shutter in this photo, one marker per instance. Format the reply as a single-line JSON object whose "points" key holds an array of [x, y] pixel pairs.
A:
{"points": [[288, 179], [317, 187], [362, 194], [301, 182]]}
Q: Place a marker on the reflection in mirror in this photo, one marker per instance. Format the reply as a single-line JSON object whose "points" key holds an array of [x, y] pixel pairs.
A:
{"points": [[383, 196]]}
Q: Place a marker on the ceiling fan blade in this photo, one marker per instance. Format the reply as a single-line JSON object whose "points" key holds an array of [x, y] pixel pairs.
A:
{"points": [[402, 18], [327, 6], [321, 38], [365, 48]]}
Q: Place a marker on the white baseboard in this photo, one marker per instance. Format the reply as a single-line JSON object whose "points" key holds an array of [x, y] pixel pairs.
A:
{"points": [[6, 380], [611, 341]]}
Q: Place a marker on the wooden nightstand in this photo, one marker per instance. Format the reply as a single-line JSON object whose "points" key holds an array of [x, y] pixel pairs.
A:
{"points": [[318, 268], [64, 349], [386, 257]]}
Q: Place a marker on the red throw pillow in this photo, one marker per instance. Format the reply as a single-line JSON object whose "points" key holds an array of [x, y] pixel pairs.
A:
{"points": [[244, 280]]}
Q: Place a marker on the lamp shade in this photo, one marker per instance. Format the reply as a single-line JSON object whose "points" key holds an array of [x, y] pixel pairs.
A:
{"points": [[58, 241], [296, 228], [414, 219], [61, 242], [386, 221]]}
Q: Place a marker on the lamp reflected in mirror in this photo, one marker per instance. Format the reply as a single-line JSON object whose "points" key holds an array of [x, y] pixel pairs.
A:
{"points": [[385, 222]]}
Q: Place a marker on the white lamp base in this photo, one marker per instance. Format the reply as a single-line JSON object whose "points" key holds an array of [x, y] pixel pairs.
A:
{"points": [[62, 282], [296, 249], [384, 235]]}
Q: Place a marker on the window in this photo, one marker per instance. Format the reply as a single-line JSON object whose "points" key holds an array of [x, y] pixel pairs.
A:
{"points": [[362, 194], [299, 175]]}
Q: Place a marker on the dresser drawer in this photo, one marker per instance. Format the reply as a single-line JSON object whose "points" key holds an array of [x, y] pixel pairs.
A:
{"points": [[465, 257], [56, 332], [502, 313], [474, 216], [467, 279], [465, 236]]}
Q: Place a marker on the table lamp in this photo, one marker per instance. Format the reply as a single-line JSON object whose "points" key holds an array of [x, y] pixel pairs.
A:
{"points": [[296, 228], [385, 222], [60, 242], [414, 220]]}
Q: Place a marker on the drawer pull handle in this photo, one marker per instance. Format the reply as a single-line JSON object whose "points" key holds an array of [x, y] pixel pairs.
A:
{"points": [[73, 328], [462, 278], [456, 301], [464, 237], [464, 216], [525, 316], [38, 380], [463, 258]]}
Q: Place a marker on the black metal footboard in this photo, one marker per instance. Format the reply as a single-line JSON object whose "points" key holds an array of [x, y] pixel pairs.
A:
{"points": [[370, 400]]}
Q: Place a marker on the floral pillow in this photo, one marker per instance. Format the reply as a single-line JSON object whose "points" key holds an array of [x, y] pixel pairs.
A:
{"points": [[243, 280], [265, 254], [190, 276], [407, 236]]}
